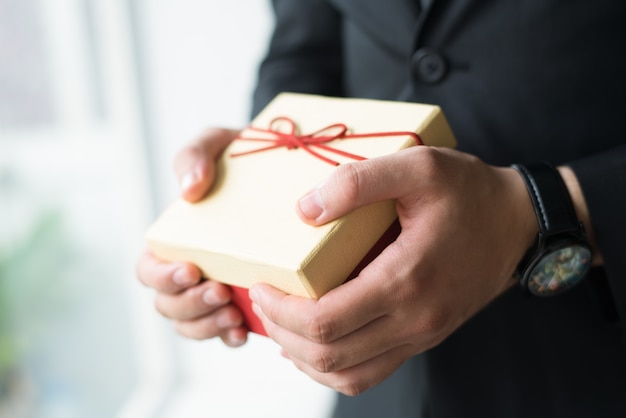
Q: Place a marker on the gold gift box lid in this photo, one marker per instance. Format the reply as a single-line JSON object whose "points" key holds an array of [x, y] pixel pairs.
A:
{"points": [[246, 229]]}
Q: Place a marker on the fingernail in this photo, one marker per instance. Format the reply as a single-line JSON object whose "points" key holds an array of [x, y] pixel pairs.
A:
{"points": [[210, 298], [311, 204], [235, 338], [256, 309], [183, 278], [188, 180], [253, 294]]}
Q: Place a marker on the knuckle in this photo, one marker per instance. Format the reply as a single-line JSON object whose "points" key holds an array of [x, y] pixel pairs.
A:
{"points": [[323, 361], [434, 323], [184, 306], [320, 330], [438, 163], [351, 177], [272, 312], [430, 161], [208, 325], [194, 293], [194, 330], [351, 387], [161, 307]]}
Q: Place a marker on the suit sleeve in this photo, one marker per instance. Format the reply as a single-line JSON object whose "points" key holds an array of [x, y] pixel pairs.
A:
{"points": [[305, 52], [602, 178]]}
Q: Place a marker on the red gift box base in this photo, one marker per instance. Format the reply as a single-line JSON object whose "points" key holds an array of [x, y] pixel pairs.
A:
{"points": [[241, 299]]}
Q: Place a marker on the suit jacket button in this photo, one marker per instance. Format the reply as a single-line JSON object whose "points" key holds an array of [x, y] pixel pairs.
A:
{"points": [[428, 66]]}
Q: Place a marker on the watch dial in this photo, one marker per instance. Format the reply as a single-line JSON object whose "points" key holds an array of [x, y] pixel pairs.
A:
{"points": [[559, 270]]}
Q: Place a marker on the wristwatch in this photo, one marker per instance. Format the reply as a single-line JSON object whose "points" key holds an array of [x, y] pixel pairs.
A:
{"points": [[561, 256]]}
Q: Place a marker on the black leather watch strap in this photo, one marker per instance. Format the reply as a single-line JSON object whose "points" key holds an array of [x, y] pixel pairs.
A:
{"points": [[561, 256], [551, 200]]}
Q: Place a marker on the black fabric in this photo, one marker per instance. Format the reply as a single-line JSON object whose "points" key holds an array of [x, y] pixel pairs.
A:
{"points": [[523, 81], [403, 394]]}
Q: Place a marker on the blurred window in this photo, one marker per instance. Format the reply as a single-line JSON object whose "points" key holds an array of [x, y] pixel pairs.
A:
{"points": [[73, 205]]}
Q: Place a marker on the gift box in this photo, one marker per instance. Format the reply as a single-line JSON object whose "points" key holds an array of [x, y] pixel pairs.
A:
{"points": [[246, 229]]}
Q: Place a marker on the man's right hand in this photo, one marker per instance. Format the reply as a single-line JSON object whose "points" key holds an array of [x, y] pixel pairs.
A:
{"points": [[200, 308]]}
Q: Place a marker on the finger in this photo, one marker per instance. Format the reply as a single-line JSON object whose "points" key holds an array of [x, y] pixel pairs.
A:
{"points": [[214, 325], [337, 313], [358, 184], [235, 337], [366, 343], [357, 379], [166, 277], [195, 164], [194, 302]]}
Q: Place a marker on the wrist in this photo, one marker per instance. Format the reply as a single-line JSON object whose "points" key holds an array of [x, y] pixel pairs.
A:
{"points": [[520, 222], [561, 255], [524, 215]]}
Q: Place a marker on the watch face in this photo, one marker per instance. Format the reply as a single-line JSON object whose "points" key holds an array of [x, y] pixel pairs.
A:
{"points": [[559, 270]]}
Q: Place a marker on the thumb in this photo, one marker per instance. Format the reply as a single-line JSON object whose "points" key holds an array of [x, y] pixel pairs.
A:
{"points": [[195, 164], [354, 185]]}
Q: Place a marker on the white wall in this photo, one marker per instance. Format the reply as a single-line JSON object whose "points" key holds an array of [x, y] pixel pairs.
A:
{"points": [[73, 209], [199, 58]]}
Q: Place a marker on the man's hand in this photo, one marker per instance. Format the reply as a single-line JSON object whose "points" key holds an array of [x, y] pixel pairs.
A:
{"points": [[201, 308], [465, 227]]}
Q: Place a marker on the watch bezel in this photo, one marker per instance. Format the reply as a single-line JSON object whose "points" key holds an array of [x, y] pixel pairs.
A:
{"points": [[546, 247]]}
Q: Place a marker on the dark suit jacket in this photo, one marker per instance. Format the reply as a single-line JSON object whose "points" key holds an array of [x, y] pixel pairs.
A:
{"points": [[520, 81]]}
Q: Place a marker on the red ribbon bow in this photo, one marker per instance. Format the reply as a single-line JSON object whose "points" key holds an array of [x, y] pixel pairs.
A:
{"points": [[291, 139]]}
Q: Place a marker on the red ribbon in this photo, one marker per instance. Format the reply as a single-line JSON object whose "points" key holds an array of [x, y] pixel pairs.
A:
{"points": [[291, 139]]}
